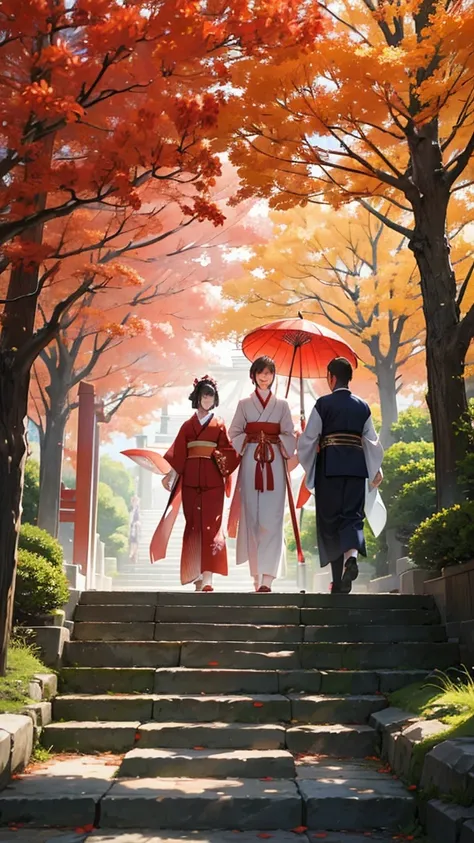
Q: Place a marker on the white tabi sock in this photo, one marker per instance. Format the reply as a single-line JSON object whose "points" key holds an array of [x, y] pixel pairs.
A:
{"points": [[206, 578], [267, 580], [349, 553]]}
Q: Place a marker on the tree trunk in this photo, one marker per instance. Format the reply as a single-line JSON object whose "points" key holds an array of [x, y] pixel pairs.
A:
{"points": [[446, 396], [51, 466], [387, 387], [13, 409]]}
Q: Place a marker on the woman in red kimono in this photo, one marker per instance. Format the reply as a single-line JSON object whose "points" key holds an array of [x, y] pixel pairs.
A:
{"points": [[201, 459]]}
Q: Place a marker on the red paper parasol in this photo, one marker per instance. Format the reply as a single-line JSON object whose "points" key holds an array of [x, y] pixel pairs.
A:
{"points": [[151, 460], [297, 346]]}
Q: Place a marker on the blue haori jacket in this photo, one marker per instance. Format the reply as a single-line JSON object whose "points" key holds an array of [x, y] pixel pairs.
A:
{"points": [[340, 432]]}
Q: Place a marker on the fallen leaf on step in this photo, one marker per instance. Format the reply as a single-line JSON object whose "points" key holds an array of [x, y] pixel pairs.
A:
{"points": [[198, 748], [300, 829], [264, 836], [258, 705], [213, 664], [320, 835], [266, 779]]}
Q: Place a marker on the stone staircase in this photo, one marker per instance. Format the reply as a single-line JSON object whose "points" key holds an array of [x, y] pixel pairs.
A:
{"points": [[230, 712]]}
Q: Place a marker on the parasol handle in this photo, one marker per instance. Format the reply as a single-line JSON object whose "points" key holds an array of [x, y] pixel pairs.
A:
{"points": [[295, 348]]}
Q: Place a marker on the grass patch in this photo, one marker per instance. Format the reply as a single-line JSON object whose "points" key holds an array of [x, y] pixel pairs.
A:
{"points": [[23, 663], [447, 697]]}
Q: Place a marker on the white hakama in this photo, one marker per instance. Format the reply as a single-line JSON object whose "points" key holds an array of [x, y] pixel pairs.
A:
{"points": [[261, 513]]}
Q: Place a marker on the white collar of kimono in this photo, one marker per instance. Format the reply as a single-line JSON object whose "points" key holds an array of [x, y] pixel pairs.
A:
{"points": [[205, 418], [342, 389], [264, 392]]}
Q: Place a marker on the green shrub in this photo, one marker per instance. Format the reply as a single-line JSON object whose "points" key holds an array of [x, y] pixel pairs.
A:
{"points": [[40, 587], [30, 500], [399, 465], [118, 477], [466, 476], [42, 543], [413, 425], [112, 517], [415, 503], [447, 538], [116, 545]]}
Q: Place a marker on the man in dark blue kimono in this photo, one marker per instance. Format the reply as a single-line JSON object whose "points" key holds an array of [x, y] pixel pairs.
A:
{"points": [[340, 451]]}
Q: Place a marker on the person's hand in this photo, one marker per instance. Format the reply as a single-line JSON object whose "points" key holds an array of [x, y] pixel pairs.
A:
{"points": [[167, 481], [376, 481]]}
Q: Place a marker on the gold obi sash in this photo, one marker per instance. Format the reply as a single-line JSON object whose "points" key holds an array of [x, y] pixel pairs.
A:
{"points": [[200, 449], [351, 439]]}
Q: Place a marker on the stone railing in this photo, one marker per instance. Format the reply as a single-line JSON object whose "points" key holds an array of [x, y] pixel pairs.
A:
{"points": [[20, 732]]}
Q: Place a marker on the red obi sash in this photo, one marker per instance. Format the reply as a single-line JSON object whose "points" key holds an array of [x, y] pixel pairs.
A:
{"points": [[265, 434]]}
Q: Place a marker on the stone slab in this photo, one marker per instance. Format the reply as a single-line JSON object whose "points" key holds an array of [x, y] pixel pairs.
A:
{"points": [[180, 598], [372, 655], [84, 736], [42, 713], [5, 750], [393, 680], [119, 598], [212, 735], [368, 601], [445, 820], [51, 641], [66, 790], [201, 803], [333, 769], [410, 736], [42, 835], [467, 832], [97, 680], [20, 729], [374, 615], [117, 631], [228, 614], [336, 803], [349, 682], [183, 680], [122, 653], [335, 709], [449, 767], [207, 763], [248, 656], [255, 708], [110, 613], [390, 633], [49, 684], [293, 681], [103, 707], [167, 836], [214, 631], [337, 740], [390, 719]]}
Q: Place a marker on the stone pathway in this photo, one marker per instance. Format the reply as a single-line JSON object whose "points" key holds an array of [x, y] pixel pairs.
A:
{"points": [[246, 716]]}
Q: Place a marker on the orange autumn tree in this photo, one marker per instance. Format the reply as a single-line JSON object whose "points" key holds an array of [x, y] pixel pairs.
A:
{"points": [[97, 98], [382, 107]]}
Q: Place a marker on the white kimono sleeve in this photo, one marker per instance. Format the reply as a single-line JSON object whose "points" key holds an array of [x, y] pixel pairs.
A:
{"points": [[308, 447], [287, 432], [236, 431], [373, 451]]}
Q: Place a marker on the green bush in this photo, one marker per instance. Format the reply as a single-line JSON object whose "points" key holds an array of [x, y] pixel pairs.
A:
{"points": [[42, 543], [415, 503], [399, 466], [30, 500], [40, 587], [447, 538], [118, 477], [117, 545], [466, 476], [413, 425], [112, 517]]}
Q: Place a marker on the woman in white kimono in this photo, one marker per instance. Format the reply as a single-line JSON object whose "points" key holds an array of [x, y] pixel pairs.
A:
{"points": [[262, 431]]}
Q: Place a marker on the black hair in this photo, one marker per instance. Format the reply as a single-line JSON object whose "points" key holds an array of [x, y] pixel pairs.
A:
{"points": [[203, 387], [259, 365], [341, 369]]}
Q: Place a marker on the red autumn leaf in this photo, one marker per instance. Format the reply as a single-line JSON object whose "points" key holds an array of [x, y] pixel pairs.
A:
{"points": [[198, 748], [264, 835], [320, 835], [90, 827], [266, 779], [258, 705], [213, 664], [138, 736], [300, 829], [412, 787]]}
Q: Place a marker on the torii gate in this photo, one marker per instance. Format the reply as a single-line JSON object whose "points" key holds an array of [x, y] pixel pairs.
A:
{"points": [[79, 505]]}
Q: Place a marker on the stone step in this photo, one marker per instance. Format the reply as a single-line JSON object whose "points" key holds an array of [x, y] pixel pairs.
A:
{"points": [[191, 614], [207, 763], [378, 616], [262, 655], [141, 631], [216, 735], [321, 601], [347, 795], [335, 709], [256, 708], [222, 836], [391, 634], [355, 741], [183, 680], [201, 803]]}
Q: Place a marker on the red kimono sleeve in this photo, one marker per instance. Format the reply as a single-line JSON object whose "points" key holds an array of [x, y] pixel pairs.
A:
{"points": [[226, 457], [177, 454]]}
